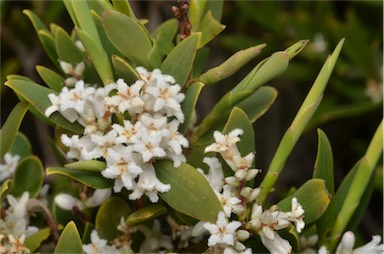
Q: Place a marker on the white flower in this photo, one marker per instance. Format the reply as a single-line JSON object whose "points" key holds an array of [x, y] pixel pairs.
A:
{"points": [[128, 134], [149, 185], [229, 201], [67, 202], [121, 165], [155, 240], [76, 72], [226, 144], [215, 175], [98, 246], [296, 215], [222, 233], [153, 123], [9, 166], [275, 244], [78, 147], [103, 143], [348, 241], [149, 147], [17, 244]]}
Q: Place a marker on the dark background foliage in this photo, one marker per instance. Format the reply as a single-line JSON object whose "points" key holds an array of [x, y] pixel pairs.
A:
{"points": [[347, 115]]}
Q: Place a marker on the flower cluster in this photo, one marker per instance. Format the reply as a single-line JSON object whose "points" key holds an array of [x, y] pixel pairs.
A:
{"points": [[228, 235], [148, 114], [14, 227]]}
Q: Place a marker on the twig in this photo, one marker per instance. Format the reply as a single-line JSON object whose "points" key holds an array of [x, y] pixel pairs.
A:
{"points": [[181, 13]]}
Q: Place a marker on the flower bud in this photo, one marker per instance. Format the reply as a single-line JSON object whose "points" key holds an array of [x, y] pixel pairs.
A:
{"points": [[246, 192], [251, 174], [242, 235], [241, 174], [233, 181]]}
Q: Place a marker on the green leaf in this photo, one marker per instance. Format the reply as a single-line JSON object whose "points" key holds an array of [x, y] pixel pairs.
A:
{"points": [[37, 96], [6, 187], [21, 146], [36, 21], [312, 196], [128, 36], [108, 217], [189, 104], [302, 118], [29, 176], [124, 70], [168, 29], [48, 43], [11, 127], [98, 56], [196, 11], [91, 179], [179, 62], [88, 165], [238, 119], [190, 192], [34, 241], [67, 49], [51, 78], [209, 28], [145, 214], [258, 103], [86, 236], [69, 241], [324, 162], [230, 66], [124, 7], [99, 7]]}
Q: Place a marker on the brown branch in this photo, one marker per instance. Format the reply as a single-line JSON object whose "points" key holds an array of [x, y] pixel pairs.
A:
{"points": [[181, 13]]}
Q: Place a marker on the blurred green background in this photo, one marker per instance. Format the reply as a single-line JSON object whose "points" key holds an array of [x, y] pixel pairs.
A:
{"points": [[352, 106]]}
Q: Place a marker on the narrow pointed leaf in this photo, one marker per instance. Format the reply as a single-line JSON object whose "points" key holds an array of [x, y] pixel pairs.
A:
{"points": [[66, 48], [89, 165], [196, 11], [37, 96], [209, 28], [48, 43], [29, 176], [145, 214], [51, 78], [302, 118], [36, 21], [127, 35], [312, 196], [91, 179], [108, 217], [324, 162], [11, 127], [98, 56], [69, 241], [190, 192], [189, 104], [179, 62]]}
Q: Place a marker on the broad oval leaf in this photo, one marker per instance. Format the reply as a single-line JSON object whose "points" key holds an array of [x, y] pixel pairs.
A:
{"points": [[37, 96], [168, 28], [312, 196], [11, 127], [6, 187], [51, 78], [90, 179], [127, 35], [29, 176], [145, 214], [34, 241], [179, 62], [89, 165], [69, 241], [189, 104], [108, 217], [190, 192]]}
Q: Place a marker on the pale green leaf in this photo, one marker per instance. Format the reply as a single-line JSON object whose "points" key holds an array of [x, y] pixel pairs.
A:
{"points": [[124, 70], [34, 241], [66, 48], [51, 78], [87, 165], [145, 214], [29, 176], [69, 241], [189, 103]]}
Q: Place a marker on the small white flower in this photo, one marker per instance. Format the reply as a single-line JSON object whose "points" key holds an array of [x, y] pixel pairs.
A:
{"points": [[8, 168], [215, 175], [128, 134], [222, 233], [296, 215], [348, 241], [67, 202], [275, 244], [155, 240], [229, 201], [149, 147], [98, 245], [17, 244], [149, 185]]}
